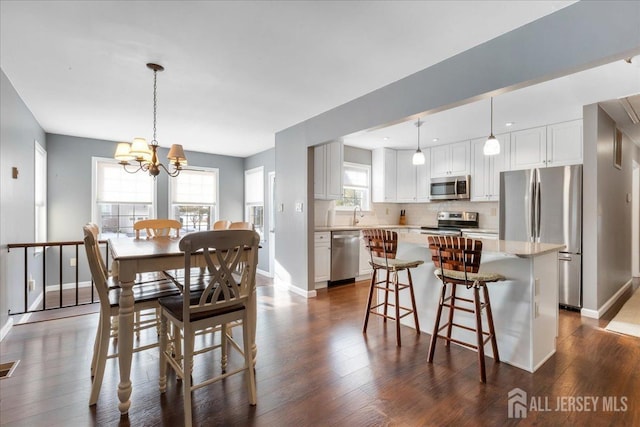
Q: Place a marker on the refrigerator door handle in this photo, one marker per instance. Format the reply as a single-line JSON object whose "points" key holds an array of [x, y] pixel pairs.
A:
{"points": [[538, 209], [530, 220]]}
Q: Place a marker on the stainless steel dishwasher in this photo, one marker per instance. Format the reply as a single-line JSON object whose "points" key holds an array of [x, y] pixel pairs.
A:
{"points": [[345, 255]]}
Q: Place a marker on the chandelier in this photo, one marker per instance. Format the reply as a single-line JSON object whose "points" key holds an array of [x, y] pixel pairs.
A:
{"points": [[146, 155]]}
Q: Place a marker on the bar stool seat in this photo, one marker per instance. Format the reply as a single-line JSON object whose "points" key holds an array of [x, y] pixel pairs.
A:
{"points": [[382, 245], [457, 262]]}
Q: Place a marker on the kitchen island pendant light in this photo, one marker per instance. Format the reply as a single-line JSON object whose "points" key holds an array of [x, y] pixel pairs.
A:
{"points": [[418, 156], [492, 145], [146, 155]]}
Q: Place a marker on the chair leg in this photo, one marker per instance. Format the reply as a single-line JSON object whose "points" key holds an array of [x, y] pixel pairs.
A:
{"points": [[476, 300], [413, 303], [494, 342], [397, 308], [164, 347], [386, 296], [434, 335], [103, 349], [224, 345], [187, 361], [452, 303], [248, 361], [96, 347], [371, 288]]}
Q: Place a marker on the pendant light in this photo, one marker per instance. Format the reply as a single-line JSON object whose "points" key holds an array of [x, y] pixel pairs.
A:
{"points": [[146, 155], [492, 145], [418, 156]]}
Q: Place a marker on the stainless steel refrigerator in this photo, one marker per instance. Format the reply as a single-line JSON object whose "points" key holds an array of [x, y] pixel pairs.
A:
{"points": [[545, 205]]}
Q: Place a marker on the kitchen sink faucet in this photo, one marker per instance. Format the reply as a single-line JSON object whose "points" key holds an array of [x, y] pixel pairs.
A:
{"points": [[355, 219]]}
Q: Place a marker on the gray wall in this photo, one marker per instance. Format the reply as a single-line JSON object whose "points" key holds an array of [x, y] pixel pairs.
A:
{"points": [[357, 155], [559, 44], [266, 159], [18, 130], [606, 212], [69, 180]]}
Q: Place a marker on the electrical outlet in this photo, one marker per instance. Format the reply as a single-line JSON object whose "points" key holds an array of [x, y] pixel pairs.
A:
{"points": [[537, 310], [536, 286], [298, 206], [72, 262]]}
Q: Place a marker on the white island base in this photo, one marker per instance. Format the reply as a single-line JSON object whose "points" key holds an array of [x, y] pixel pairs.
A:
{"points": [[525, 306]]}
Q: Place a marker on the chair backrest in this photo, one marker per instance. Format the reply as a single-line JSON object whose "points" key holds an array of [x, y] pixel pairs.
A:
{"points": [[380, 243], [222, 224], [231, 258], [96, 263], [240, 226], [157, 227], [455, 253]]}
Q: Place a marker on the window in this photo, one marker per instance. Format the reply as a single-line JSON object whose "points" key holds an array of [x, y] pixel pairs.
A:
{"points": [[254, 198], [355, 187], [40, 172], [120, 198], [193, 199]]}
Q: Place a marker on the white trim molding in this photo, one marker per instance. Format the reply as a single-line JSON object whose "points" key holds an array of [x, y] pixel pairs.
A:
{"points": [[596, 314]]}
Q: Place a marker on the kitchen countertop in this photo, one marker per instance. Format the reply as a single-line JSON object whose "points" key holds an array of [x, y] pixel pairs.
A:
{"points": [[519, 249], [362, 227]]}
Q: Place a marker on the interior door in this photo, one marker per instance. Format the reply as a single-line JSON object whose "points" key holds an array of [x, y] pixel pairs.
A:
{"points": [[271, 178]]}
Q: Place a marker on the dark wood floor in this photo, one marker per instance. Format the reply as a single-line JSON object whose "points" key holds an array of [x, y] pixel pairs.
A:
{"points": [[315, 368]]}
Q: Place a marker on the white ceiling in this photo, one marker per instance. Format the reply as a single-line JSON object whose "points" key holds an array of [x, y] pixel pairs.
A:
{"points": [[237, 72]]}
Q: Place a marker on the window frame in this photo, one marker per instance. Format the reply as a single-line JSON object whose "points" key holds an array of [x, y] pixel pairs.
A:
{"points": [[40, 206], [216, 205], [364, 167], [252, 204], [95, 161]]}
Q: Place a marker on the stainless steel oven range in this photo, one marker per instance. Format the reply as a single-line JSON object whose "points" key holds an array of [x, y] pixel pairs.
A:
{"points": [[450, 223]]}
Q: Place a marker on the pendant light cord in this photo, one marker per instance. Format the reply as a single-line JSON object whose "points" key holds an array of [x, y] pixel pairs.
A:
{"points": [[155, 105], [492, 116]]}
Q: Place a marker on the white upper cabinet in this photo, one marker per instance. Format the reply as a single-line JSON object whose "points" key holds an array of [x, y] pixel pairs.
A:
{"points": [[412, 180], [529, 148], [327, 170], [383, 175], [485, 170], [564, 143], [451, 159], [553, 145]]}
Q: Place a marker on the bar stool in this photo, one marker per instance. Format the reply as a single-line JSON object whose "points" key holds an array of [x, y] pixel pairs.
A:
{"points": [[382, 246], [457, 261]]}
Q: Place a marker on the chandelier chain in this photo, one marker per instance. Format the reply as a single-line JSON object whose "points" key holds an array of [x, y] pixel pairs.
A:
{"points": [[155, 105]]}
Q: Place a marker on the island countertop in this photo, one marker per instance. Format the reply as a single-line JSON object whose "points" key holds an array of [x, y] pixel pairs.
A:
{"points": [[519, 249]]}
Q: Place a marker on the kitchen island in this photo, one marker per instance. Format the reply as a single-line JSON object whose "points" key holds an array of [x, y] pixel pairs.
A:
{"points": [[525, 306]]}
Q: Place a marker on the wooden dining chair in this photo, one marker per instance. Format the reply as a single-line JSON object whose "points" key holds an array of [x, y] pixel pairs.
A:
{"points": [[146, 297], [157, 227], [457, 262], [224, 298], [240, 226], [382, 246], [222, 224]]}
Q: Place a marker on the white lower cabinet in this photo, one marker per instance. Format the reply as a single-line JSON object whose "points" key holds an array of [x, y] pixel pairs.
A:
{"points": [[322, 256], [364, 267]]}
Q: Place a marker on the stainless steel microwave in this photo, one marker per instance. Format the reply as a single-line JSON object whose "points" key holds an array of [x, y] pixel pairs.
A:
{"points": [[450, 188]]}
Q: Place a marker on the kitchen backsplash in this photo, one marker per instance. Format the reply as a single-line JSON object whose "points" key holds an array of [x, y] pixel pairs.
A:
{"points": [[416, 213]]}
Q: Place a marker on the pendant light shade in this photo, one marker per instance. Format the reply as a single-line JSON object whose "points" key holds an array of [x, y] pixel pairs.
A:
{"points": [[418, 156], [492, 145]]}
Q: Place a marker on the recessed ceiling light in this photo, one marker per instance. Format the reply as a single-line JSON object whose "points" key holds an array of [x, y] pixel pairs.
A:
{"points": [[509, 124], [386, 138], [435, 140]]}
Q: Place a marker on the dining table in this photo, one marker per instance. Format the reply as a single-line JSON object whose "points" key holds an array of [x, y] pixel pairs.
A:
{"points": [[131, 256]]}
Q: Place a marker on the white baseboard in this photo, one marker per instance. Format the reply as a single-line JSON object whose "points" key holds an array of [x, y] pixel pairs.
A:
{"points": [[295, 290], [6, 328], [65, 286], [596, 314], [264, 273]]}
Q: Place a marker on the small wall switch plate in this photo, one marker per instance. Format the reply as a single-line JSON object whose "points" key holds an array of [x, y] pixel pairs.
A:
{"points": [[31, 285], [72, 262], [537, 287], [298, 206]]}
